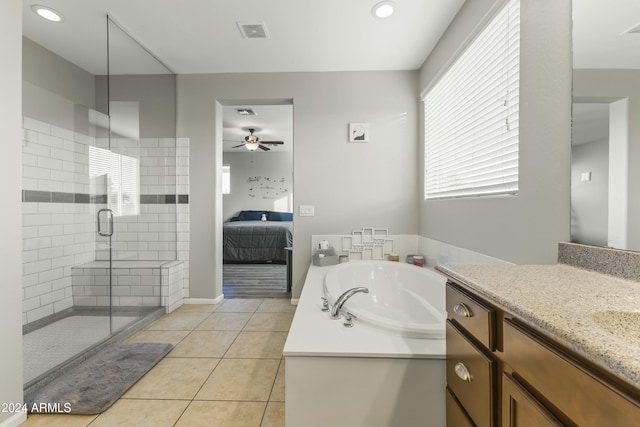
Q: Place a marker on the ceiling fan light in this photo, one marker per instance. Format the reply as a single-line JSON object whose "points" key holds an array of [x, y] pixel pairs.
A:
{"points": [[252, 146]]}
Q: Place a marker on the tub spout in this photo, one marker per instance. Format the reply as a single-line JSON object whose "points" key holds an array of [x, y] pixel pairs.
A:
{"points": [[337, 307]]}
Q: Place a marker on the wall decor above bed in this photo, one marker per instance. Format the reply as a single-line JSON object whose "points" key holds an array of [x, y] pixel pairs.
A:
{"points": [[265, 187]]}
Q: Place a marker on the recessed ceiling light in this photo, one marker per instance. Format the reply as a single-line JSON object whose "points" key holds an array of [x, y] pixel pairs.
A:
{"points": [[47, 13], [382, 10]]}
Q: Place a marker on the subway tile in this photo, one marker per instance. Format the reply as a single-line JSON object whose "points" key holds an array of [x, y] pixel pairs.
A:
{"points": [[36, 149], [36, 125], [48, 185], [63, 304], [35, 172], [81, 198], [49, 163], [50, 230], [36, 243], [29, 135], [37, 290], [36, 267], [148, 198], [50, 141], [62, 197], [59, 175], [35, 219]]}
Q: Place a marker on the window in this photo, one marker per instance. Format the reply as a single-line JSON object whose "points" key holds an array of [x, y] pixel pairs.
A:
{"points": [[119, 176], [471, 116], [226, 179]]}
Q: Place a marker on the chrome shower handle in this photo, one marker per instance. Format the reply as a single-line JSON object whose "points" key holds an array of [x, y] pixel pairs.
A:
{"points": [[109, 213]]}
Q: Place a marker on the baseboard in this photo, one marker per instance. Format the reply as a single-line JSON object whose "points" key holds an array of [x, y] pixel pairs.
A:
{"points": [[216, 300], [15, 420], [294, 301]]}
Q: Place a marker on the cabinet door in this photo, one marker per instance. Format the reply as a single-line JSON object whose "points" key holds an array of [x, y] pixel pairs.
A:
{"points": [[577, 392], [456, 416], [521, 409]]}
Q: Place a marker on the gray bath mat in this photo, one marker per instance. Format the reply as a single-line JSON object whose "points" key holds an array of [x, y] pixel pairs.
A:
{"points": [[95, 384]]}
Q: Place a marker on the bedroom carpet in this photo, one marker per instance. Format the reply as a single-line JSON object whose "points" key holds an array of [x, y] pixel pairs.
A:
{"points": [[255, 281]]}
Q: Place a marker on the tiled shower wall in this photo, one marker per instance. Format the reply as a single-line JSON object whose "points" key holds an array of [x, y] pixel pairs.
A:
{"points": [[60, 206]]}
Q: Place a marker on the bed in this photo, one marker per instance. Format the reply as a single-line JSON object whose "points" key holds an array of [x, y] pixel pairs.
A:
{"points": [[248, 239]]}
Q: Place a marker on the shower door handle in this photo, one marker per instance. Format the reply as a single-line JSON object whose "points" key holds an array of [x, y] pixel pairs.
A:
{"points": [[109, 214]]}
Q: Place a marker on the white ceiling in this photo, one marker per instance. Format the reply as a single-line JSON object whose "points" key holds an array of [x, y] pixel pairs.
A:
{"points": [[202, 36], [600, 38]]}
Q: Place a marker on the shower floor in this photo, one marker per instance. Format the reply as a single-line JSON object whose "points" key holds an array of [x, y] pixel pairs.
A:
{"points": [[57, 342]]}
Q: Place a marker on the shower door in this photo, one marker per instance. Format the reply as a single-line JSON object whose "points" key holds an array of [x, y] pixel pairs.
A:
{"points": [[98, 192], [139, 222]]}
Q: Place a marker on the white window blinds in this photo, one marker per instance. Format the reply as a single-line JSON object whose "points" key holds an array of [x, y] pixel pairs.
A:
{"points": [[119, 176], [471, 116]]}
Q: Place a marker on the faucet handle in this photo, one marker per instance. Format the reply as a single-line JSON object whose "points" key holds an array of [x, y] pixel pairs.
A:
{"points": [[348, 319], [325, 304]]}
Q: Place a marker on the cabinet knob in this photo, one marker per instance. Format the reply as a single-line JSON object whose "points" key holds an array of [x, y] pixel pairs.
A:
{"points": [[461, 309], [462, 372]]}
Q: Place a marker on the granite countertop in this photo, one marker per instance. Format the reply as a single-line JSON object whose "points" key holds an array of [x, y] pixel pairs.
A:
{"points": [[578, 308]]}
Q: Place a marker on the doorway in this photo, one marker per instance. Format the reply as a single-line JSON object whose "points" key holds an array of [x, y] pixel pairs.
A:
{"points": [[257, 198]]}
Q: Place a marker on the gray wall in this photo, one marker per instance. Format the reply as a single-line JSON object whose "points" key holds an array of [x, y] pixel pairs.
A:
{"points": [[589, 216], [47, 70], [351, 185], [10, 228], [526, 228], [155, 94], [55, 90], [617, 84], [271, 170]]}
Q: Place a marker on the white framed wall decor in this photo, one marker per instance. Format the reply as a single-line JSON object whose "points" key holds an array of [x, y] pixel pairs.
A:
{"points": [[358, 132]]}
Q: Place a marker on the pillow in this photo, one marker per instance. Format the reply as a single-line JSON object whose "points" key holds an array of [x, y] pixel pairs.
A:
{"points": [[280, 216], [249, 216]]}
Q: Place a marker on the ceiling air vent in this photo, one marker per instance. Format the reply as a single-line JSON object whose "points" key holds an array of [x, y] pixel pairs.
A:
{"points": [[246, 112], [253, 31]]}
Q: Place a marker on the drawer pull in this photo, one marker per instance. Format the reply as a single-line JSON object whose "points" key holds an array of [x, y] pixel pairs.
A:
{"points": [[463, 372], [461, 309]]}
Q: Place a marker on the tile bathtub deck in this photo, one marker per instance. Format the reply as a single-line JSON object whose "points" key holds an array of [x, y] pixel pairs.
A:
{"points": [[226, 369]]}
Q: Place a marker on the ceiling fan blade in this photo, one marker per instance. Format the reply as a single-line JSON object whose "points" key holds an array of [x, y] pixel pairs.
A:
{"points": [[236, 146], [262, 147], [272, 142]]}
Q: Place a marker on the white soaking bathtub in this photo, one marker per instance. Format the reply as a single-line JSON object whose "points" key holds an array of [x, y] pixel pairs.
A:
{"points": [[402, 298], [366, 375]]}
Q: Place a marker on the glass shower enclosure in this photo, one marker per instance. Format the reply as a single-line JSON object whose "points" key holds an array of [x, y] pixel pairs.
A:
{"points": [[99, 195]]}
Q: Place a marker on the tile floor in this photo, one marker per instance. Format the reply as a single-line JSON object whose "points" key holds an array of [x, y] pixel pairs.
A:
{"points": [[226, 369]]}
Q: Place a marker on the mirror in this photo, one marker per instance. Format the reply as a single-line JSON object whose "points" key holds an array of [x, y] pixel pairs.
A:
{"points": [[605, 189]]}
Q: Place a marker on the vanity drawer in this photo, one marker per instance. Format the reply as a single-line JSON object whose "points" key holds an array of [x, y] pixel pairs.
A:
{"points": [[584, 398], [471, 376], [474, 316]]}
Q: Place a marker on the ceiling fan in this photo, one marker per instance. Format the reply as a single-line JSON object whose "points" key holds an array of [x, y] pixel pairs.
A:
{"points": [[252, 142]]}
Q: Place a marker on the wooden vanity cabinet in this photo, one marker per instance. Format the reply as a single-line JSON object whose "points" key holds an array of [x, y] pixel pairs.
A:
{"points": [[471, 366], [518, 377]]}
